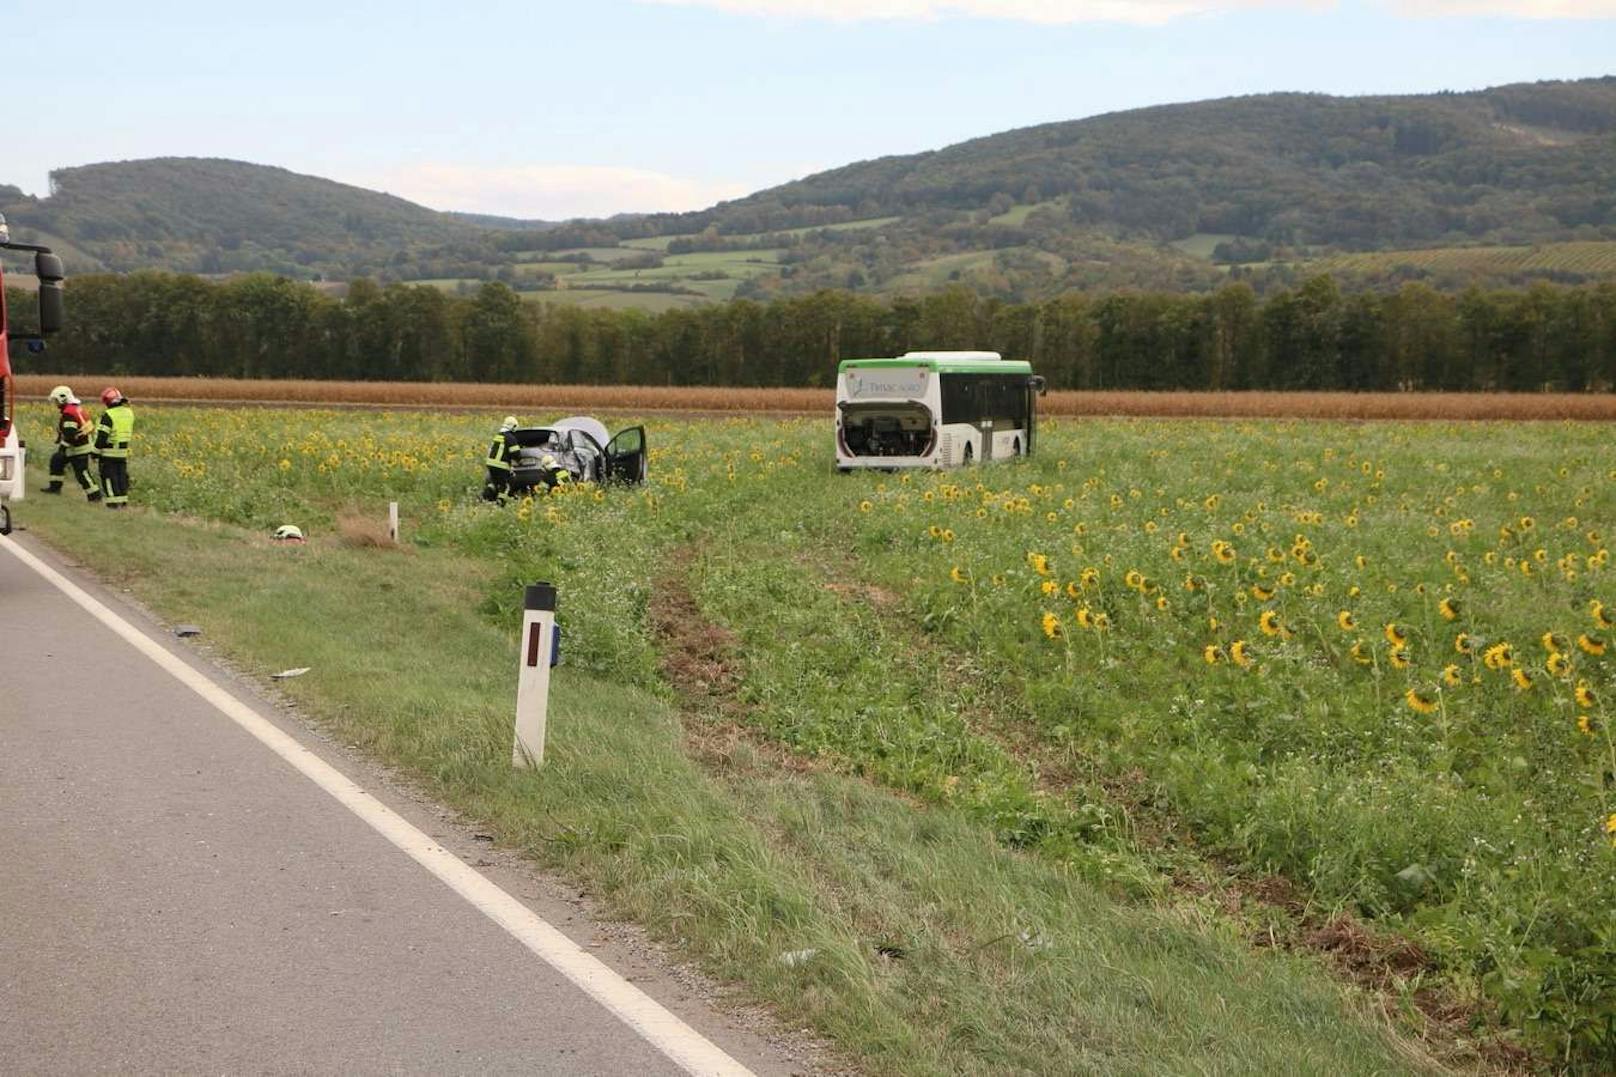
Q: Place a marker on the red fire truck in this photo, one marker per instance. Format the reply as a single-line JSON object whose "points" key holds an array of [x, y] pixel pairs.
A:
{"points": [[13, 451]]}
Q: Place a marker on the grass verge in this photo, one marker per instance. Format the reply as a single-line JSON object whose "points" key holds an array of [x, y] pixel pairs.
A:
{"points": [[922, 944]]}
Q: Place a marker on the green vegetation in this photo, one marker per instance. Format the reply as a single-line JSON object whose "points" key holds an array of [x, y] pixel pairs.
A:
{"points": [[757, 749], [213, 216], [1312, 337], [1449, 264]]}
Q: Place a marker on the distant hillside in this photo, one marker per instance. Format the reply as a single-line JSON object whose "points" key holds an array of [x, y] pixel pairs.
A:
{"points": [[208, 215], [1518, 163], [1177, 197], [1184, 196]]}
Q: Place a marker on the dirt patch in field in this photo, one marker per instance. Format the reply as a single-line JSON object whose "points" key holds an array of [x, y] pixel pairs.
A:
{"points": [[702, 661]]}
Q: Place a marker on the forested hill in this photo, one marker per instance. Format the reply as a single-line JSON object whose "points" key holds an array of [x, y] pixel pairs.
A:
{"points": [[210, 215], [1268, 188], [1526, 162]]}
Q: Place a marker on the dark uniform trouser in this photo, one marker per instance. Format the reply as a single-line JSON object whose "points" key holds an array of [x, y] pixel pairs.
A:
{"points": [[115, 479], [498, 484], [81, 468]]}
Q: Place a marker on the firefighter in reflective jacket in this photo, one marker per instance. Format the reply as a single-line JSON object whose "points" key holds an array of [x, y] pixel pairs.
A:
{"points": [[113, 432], [499, 462], [72, 444]]}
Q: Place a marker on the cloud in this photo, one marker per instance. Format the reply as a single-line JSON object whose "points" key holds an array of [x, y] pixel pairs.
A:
{"points": [[1049, 12], [550, 191], [1522, 9], [1141, 12]]}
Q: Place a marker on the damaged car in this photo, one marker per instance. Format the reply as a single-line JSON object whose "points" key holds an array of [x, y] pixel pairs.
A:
{"points": [[576, 449]]}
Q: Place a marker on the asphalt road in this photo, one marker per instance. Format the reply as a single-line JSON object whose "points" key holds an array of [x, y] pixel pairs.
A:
{"points": [[176, 898]]}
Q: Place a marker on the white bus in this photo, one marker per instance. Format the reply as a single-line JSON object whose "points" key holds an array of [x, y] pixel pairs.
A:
{"points": [[934, 409]]}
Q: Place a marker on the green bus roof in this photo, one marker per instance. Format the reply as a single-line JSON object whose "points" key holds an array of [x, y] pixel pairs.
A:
{"points": [[941, 366]]}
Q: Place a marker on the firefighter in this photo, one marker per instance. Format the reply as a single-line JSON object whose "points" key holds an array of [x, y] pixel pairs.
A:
{"points": [[555, 474], [499, 462], [72, 444], [113, 432]]}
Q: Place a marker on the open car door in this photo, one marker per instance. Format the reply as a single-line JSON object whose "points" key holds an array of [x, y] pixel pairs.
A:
{"points": [[625, 456]]}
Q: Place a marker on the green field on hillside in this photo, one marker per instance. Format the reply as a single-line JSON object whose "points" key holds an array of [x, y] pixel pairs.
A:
{"points": [[1591, 258], [1017, 215], [1201, 244], [935, 273], [650, 302]]}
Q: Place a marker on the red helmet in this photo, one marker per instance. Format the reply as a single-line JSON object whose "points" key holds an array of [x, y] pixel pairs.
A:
{"points": [[110, 396]]}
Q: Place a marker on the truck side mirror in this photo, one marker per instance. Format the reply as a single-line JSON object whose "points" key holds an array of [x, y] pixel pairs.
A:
{"points": [[51, 306], [48, 267]]}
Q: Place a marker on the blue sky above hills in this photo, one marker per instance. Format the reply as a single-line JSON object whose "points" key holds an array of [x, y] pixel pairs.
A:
{"points": [[565, 109]]}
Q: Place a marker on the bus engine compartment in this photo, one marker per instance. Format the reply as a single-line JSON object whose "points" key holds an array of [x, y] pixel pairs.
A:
{"points": [[885, 429]]}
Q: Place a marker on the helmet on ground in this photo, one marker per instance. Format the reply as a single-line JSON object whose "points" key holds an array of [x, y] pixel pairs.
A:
{"points": [[110, 396], [508, 423], [61, 395], [288, 533]]}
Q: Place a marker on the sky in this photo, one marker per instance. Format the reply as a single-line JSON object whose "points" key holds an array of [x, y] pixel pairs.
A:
{"points": [[553, 110]]}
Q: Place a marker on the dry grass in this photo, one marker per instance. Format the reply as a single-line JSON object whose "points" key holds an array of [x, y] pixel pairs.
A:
{"points": [[650, 399], [364, 532], [434, 394]]}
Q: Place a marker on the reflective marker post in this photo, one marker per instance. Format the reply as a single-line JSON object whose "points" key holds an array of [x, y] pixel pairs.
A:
{"points": [[533, 674], [392, 521]]}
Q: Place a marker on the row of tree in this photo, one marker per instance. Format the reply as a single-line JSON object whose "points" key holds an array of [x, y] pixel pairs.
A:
{"points": [[1312, 336]]}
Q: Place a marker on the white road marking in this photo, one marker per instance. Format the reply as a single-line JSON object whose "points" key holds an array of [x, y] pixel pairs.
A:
{"points": [[682, 1044]]}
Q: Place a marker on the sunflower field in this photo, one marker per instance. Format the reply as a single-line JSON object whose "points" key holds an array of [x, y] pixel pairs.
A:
{"points": [[1374, 661]]}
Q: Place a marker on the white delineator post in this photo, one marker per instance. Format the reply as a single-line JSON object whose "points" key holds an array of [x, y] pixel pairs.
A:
{"points": [[392, 521], [533, 674]]}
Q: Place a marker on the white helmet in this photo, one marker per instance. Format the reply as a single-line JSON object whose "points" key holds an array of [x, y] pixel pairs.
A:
{"points": [[509, 423], [61, 395], [288, 533]]}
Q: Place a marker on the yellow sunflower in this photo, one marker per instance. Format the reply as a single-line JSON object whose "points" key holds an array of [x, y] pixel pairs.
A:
{"points": [[1558, 664], [1601, 615], [1052, 625], [1553, 642], [1464, 643], [1499, 656], [1585, 725], [1420, 702], [1360, 653], [1345, 622], [1451, 676], [1585, 695], [1449, 609], [1395, 636], [1522, 679], [1591, 644], [958, 575], [1398, 657], [1268, 621], [1239, 654], [1212, 654]]}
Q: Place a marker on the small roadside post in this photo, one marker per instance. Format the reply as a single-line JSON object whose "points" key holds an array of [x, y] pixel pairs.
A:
{"points": [[392, 522], [537, 655]]}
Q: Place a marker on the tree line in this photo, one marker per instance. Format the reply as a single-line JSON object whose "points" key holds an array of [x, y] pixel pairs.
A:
{"points": [[1312, 336]]}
